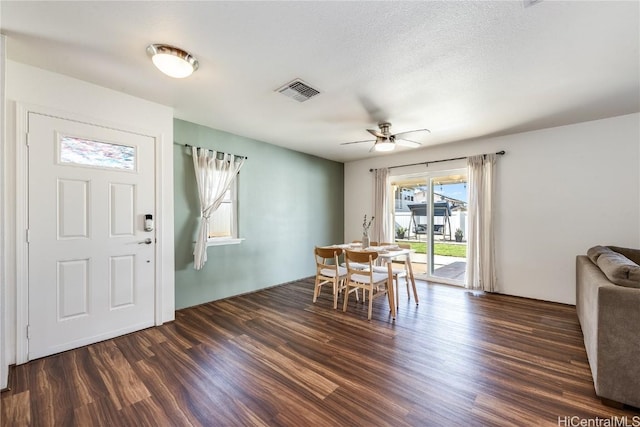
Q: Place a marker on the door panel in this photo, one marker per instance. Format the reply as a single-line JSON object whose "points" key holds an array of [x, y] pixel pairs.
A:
{"points": [[72, 288], [122, 209], [73, 197], [91, 274], [122, 280]]}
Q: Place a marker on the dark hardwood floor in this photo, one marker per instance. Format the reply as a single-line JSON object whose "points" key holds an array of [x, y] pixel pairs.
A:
{"points": [[273, 358]]}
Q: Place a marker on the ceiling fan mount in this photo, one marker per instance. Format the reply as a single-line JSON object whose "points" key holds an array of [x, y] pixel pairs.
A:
{"points": [[386, 141], [384, 130]]}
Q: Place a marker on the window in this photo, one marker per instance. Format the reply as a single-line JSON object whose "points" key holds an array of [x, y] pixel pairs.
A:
{"points": [[84, 152], [223, 224]]}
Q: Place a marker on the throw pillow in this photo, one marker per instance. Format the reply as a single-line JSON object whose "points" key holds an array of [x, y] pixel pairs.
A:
{"points": [[595, 252], [619, 269]]}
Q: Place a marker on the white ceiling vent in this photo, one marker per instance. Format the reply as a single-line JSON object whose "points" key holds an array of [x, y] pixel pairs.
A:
{"points": [[298, 90]]}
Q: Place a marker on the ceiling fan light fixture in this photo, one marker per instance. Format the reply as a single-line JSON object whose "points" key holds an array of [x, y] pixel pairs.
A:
{"points": [[383, 144], [386, 141], [172, 61]]}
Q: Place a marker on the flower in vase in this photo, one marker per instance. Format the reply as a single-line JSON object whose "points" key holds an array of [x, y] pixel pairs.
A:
{"points": [[367, 225]]}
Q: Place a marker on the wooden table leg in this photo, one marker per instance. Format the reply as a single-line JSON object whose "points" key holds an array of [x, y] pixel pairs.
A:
{"points": [[390, 291], [407, 262]]}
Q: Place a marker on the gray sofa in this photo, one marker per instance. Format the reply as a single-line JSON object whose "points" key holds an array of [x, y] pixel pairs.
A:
{"points": [[608, 305]]}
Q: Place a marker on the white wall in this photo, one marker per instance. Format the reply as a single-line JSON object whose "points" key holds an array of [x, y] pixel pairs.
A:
{"points": [[34, 86], [559, 192]]}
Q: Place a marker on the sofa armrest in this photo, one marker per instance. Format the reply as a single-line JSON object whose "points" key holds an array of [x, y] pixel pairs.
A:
{"points": [[618, 344], [589, 279]]}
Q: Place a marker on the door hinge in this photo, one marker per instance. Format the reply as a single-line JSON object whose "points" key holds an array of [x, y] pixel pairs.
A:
{"points": [[28, 331], [26, 139], [28, 235]]}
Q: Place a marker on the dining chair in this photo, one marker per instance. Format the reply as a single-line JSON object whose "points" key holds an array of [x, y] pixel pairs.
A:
{"points": [[328, 271], [377, 284], [398, 272], [359, 266]]}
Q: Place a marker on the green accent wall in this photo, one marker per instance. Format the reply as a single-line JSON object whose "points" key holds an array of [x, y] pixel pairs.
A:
{"points": [[288, 202]]}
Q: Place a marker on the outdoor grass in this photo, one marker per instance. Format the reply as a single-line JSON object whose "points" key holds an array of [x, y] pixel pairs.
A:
{"points": [[445, 249]]}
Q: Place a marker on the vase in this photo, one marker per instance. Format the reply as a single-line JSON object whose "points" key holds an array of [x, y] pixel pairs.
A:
{"points": [[365, 240]]}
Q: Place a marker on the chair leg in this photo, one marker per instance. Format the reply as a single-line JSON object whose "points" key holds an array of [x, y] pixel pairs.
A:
{"points": [[316, 290], [342, 286], [346, 297], [355, 291], [370, 302], [335, 294]]}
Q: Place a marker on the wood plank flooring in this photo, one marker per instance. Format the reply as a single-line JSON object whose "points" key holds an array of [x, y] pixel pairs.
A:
{"points": [[273, 358]]}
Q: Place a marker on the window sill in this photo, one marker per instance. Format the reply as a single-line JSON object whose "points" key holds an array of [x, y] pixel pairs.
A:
{"points": [[223, 242]]}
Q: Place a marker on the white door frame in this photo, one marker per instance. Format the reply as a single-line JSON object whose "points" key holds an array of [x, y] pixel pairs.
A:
{"points": [[3, 214], [22, 212]]}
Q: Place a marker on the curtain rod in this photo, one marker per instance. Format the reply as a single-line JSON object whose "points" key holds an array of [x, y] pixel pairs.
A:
{"points": [[204, 148], [499, 153]]}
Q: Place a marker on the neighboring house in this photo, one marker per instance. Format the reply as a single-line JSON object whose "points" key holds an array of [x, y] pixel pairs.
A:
{"points": [[403, 197]]}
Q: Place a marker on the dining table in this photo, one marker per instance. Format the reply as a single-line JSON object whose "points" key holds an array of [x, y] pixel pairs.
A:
{"points": [[388, 253]]}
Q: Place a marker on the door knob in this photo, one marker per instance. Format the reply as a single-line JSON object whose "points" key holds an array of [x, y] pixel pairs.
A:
{"points": [[146, 241]]}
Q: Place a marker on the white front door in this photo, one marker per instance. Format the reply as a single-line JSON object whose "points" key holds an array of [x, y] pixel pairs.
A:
{"points": [[91, 262]]}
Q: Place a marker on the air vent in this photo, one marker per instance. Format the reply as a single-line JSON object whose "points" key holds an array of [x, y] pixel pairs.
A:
{"points": [[298, 90]]}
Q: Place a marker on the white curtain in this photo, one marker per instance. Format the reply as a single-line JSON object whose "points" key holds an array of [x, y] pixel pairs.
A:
{"points": [[382, 227], [481, 270], [214, 174]]}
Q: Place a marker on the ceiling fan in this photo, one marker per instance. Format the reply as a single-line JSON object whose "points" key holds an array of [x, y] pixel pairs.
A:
{"points": [[386, 141]]}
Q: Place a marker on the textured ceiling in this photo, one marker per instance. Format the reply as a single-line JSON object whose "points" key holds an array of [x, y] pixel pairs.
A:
{"points": [[462, 69]]}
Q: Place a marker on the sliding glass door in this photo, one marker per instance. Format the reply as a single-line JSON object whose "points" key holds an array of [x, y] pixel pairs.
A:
{"points": [[448, 214], [430, 215]]}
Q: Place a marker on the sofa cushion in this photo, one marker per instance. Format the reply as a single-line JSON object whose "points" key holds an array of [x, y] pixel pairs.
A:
{"points": [[619, 269]]}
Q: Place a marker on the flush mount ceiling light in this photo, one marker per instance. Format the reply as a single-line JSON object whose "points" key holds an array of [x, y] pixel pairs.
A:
{"points": [[172, 61]]}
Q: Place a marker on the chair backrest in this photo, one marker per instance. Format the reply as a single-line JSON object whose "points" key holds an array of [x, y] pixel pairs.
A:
{"points": [[359, 257], [328, 253], [324, 255]]}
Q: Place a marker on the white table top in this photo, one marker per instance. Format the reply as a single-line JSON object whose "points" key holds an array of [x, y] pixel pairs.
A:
{"points": [[383, 251]]}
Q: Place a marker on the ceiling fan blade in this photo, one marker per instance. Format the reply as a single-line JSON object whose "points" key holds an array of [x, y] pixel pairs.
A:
{"points": [[377, 133], [358, 142], [412, 131], [407, 143]]}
